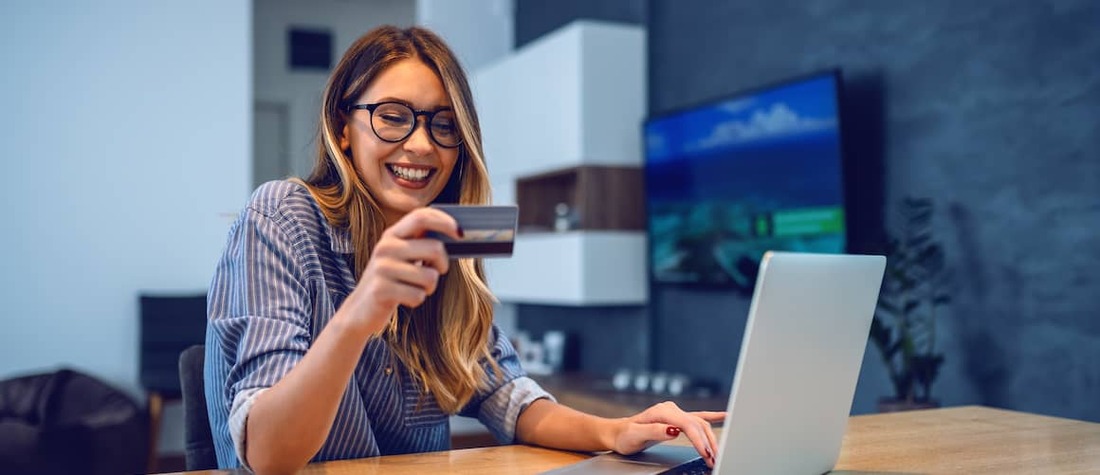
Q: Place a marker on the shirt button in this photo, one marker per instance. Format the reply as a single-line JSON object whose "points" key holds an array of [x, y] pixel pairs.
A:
{"points": [[389, 371]]}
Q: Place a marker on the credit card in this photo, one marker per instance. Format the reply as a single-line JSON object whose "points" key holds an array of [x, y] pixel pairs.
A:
{"points": [[488, 231]]}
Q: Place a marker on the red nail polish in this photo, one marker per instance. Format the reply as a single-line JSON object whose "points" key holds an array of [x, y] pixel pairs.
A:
{"points": [[461, 233], [672, 431]]}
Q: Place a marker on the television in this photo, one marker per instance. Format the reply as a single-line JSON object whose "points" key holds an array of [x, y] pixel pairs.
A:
{"points": [[731, 178]]}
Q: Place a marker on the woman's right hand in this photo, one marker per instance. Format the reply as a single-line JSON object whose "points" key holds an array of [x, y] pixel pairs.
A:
{"points": [[403, 269]]}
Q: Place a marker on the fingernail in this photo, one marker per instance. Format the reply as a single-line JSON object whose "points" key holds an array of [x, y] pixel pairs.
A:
{"points": [[461, 233], [709, 455], [673, 431]]}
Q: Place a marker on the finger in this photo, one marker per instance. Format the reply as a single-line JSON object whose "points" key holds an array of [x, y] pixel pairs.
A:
{"points": [[429, 252], [408, 295], [693, 427], [660, 412], [419, 221], [713, 442], [710, 416], [644, 436], [426, 251], [424, 277], [698, 438]]}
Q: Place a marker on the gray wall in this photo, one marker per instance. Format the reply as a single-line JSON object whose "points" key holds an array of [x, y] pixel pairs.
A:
{"points": [[993, 110], [535, 18]]}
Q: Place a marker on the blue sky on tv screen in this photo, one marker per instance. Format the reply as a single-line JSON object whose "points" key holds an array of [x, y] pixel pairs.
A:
{"points": [[806, 108], [778, 147]]}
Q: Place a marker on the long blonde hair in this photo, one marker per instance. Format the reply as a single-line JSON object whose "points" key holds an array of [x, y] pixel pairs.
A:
{"points": [[442, 341]]}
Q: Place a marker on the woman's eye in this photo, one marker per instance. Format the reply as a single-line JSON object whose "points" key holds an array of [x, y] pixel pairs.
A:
{"points": [[443, 127], [395, 119]]}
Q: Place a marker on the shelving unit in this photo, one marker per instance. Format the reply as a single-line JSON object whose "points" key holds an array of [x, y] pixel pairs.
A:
{"points": [[573, 268], [601, 197], [561, 121]]}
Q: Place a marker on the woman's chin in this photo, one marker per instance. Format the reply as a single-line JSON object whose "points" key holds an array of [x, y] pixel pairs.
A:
{"points": [[405, 204]]}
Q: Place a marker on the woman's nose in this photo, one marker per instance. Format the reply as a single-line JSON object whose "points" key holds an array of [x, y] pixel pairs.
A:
{"points": [[419, 142]]}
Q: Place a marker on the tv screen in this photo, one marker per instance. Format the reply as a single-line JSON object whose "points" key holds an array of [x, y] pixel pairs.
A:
{"points": [[730, 179]]}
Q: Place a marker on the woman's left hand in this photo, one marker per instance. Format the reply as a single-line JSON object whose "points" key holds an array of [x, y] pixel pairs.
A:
{"points": [[665, 421]]}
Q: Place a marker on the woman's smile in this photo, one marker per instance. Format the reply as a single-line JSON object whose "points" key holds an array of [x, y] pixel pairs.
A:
{"points": [[411, 176]]}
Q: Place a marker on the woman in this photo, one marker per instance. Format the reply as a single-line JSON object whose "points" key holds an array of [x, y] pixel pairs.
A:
{"points": [[337, 330]]}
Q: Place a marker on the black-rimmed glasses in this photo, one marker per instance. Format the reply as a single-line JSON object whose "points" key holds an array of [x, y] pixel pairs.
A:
{"points": [[394, 122]]}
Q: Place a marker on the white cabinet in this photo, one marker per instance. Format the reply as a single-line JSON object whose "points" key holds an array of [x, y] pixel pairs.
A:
{"points": [[573, 268], [572, 98]]}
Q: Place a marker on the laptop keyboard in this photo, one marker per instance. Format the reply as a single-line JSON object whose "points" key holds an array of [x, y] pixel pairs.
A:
{"points": [[695, 467]]}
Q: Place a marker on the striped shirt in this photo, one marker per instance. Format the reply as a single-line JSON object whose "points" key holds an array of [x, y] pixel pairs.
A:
{"points": [[283, 274]]}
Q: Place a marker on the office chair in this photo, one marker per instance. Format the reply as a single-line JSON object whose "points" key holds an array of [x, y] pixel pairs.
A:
{"points": [[199, 442], [170, 323]]}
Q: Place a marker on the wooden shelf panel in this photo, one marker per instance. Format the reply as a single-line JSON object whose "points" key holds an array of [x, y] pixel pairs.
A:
{"points": [[602, 198]]}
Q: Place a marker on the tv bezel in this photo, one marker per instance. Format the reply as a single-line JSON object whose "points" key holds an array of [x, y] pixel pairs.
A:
{"points": [[838, 81]]}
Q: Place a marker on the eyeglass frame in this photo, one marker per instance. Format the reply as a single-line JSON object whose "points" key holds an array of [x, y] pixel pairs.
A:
{"points": [[429, 114]]}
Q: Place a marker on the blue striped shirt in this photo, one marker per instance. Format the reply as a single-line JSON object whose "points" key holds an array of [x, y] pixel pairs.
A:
{"points": [[283, 274]]}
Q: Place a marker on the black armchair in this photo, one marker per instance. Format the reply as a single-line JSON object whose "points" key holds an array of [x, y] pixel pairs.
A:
{"points": [[69, 422]]}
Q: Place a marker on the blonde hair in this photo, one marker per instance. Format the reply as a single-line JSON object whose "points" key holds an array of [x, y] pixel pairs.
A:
{"points": [[443, 341]]}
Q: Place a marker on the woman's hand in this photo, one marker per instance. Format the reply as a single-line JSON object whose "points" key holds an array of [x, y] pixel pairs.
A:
{"points": [[666, 421], [403, 269]]}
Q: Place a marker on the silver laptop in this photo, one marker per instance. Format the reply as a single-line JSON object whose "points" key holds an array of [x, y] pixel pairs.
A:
{"points": [[796, 376]]}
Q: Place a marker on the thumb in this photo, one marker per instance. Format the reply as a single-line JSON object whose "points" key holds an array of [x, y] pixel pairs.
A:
{"points": [[643, 436], [662, 432]]}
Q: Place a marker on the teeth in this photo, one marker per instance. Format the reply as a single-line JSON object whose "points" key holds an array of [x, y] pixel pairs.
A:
{"points": [[411, 174]]}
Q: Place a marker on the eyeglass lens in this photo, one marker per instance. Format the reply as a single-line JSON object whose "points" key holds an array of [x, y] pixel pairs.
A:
{"points": [[394, 122]]}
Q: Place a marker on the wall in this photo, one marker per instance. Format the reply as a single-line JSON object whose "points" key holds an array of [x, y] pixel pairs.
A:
{"points": [[535, 18], [298, 92], [992, 111], [126, 145], [479, 31]]}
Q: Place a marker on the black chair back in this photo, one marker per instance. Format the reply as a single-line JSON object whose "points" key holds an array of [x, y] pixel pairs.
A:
{"points": [[169, 324], [199, 442]]}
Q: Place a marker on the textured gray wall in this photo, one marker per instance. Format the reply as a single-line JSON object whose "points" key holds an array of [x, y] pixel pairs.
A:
{"points": [[990, 108], [535, 18]]}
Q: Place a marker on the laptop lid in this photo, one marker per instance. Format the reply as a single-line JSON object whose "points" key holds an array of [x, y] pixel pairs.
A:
{"points": [[800, 358]]}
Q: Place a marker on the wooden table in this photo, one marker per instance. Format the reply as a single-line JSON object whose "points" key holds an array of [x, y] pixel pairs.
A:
{"points": [[969, 439]]}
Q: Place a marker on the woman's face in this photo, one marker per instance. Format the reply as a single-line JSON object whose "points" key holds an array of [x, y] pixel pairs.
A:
{"points": [[409, 174]]}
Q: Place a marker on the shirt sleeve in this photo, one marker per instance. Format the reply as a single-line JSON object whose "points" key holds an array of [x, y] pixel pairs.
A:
{"points": [[506, 395], [258, 311]]}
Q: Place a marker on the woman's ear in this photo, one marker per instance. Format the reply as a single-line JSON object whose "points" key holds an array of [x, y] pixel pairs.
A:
{"points": [[344, 142]]}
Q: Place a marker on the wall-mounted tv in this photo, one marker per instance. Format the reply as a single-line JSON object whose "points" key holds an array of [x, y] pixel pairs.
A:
{"points": [[729, 179]]}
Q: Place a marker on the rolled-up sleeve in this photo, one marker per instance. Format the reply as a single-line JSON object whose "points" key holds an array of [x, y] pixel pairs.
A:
{"points": [[258, 312], [499, 404]]}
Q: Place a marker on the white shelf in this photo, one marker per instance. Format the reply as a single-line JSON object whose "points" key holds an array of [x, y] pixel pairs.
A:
{"points": [[575, 97], [573, 268]]}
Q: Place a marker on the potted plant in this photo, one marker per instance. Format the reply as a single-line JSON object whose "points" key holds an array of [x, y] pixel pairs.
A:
{"points": [[904, 325]]}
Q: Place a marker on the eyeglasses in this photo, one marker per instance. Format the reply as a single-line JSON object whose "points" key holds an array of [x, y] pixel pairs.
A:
{"points": [[394, 122]]}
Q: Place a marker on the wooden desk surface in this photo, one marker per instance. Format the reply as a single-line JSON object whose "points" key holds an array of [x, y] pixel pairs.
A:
{"points": [[967, 439]]}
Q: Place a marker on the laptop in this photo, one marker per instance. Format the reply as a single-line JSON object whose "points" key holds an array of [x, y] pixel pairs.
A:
{"points": [[796, 376]]}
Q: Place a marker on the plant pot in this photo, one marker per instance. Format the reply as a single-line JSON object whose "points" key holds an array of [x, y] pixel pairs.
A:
{"points": [[889, 404]]}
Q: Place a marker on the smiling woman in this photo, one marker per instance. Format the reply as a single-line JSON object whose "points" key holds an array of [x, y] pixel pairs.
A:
{"points": [[404, 165], [332, 315]]}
